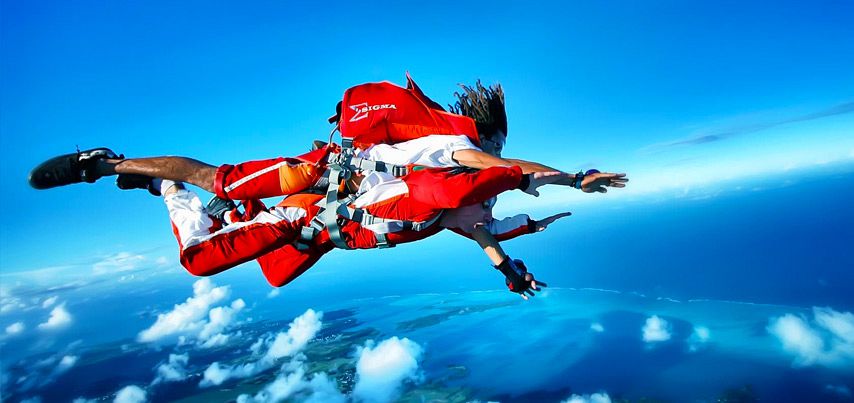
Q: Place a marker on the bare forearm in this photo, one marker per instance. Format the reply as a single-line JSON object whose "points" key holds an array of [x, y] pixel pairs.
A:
{"points": [[490, 245], [528, 166], [481, 160]]}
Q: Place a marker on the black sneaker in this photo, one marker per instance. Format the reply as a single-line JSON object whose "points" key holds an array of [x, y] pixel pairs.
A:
{"points": [[134, 181], [69, 168], [218, 207]]}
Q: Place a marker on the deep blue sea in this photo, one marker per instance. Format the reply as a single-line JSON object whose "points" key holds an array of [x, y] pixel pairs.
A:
{"points": [[729, 259]]}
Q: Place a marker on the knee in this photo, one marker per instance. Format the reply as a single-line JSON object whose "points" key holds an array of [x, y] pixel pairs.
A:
{"points": [[199, 267]]}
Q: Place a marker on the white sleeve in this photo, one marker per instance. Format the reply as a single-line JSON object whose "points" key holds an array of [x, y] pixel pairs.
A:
{"points": [[508, 225], [433, 151]]}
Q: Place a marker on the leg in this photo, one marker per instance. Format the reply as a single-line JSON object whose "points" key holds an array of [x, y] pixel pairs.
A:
{"points": [[248, 180], [206, 250], [179, 169], [283, 265]]}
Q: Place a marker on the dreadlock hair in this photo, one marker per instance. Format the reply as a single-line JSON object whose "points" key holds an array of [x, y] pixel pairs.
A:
{"points": [[483, 104]]}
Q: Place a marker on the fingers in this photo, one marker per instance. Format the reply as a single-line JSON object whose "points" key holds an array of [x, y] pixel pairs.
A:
{"points": [[531, 293], [542, 284], [525, 297], [529, 276]]}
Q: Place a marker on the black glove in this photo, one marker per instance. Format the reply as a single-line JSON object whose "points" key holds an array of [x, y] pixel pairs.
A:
{"points": [[514, 271]]}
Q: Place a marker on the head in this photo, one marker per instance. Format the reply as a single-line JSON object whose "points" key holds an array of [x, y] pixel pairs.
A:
{"points": [[468, 217], [486, 106]]}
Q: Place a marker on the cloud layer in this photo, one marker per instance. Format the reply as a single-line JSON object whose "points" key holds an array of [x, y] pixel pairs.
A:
{"points": [[15, 328], [827, 339], [284, 344], [197, 318], [594, 398], [382, 368], [656, 330], [699, 337], [710, 136], [130, 394], [59, 317], [174, 370]]}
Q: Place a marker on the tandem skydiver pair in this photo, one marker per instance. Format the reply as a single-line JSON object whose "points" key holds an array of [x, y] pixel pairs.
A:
{"points": [[405, 170]]}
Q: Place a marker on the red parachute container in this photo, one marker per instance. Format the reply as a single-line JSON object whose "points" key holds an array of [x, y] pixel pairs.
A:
{"points": [[376, 113]]}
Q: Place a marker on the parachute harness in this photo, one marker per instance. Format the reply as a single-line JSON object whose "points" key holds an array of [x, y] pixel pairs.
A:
{"points": [[335, 211]]}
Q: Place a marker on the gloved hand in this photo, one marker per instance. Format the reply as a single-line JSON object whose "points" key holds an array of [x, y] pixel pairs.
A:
{"points": [[518, 279]]}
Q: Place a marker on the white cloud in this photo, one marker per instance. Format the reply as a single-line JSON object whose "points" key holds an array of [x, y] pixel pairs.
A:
{"points": [[219, 318], [381, 369], [215, 374], [840, 324], [196, 318], [15, 328], [274, 293], [300, 331], [130, 394], [47, 303], [656, 330], [280, 389], [120, 262], [45, 371], [217, 340], [84, 400], [594, 398], [291, 383], [700, 336], [255, 348], [59, 317], [174, 370], [597, 327], [9, 304], [64, 365], [162, 261], [828, 340], [324, 390]]}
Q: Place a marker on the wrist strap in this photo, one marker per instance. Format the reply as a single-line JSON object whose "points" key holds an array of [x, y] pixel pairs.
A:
{"points": [[510, 269], [579, 177]]}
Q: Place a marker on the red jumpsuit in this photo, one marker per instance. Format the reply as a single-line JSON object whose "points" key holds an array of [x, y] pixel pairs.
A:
{"points": [[418, 196]]}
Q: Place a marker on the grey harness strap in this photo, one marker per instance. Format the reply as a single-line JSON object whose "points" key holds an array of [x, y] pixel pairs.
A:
{"points": [[366, 219], [329, 215], [363, 164], [341, 167]]}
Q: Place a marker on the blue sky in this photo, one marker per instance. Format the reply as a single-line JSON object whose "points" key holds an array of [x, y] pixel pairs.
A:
{"points": [[676, 94]]}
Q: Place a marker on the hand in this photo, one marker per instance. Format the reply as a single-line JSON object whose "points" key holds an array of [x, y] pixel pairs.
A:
{"points": [[545, 178], [598, 181], [541, 225], [533, 285], [518, 279]]}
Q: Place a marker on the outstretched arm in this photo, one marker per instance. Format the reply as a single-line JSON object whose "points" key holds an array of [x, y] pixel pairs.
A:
{"points": [[593, 183], [512, 227], [519, 280], [480, 160]]}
